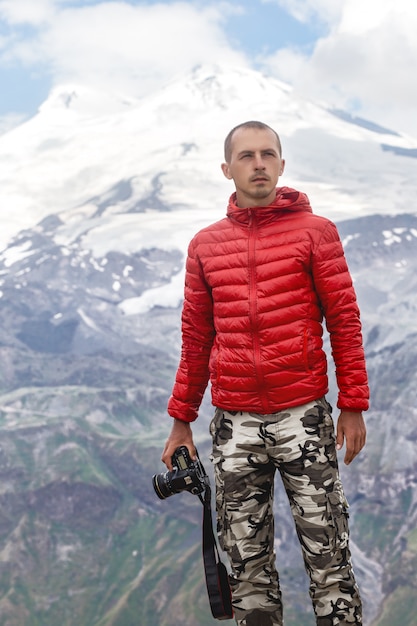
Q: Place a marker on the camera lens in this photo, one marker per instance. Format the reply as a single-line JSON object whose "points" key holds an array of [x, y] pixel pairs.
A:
{"points": [[161, 486]]}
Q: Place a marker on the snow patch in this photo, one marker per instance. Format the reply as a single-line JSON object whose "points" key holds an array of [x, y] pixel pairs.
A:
{"points": [[13, 254], [350, 238], [390, 237], [165, 296]]}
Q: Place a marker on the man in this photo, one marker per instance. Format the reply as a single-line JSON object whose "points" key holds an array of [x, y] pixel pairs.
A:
{"points": [[258, 285]]}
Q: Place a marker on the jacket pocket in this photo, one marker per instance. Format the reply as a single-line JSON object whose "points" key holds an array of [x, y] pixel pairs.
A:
{"points": [[214, 367], [307, 350]]}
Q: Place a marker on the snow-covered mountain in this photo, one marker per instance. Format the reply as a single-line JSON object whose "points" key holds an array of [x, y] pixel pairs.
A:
{"points": [[123, 175], [99, 196]]}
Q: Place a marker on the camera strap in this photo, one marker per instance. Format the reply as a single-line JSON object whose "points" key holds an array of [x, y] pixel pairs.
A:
{"points": [[217, 579]]}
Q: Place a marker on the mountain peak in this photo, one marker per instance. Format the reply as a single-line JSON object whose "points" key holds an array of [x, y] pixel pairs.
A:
{"points": [[84, 101], [168, 146]]}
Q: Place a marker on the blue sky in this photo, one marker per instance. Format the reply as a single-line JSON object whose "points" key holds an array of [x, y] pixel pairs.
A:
{"points": [[361, 56], [263, 27]]}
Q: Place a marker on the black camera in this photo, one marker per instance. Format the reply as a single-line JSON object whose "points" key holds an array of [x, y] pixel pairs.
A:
{"points": [[186, 475]]}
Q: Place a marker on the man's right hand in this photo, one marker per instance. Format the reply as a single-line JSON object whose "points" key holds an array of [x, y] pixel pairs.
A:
{"points": [[181, 435]]}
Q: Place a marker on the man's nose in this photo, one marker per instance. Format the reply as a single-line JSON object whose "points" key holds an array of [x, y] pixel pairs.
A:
{"points": [[259, 162]]}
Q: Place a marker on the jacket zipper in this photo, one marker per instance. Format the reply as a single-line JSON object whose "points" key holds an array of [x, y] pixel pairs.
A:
{"points": [[253, 306]]}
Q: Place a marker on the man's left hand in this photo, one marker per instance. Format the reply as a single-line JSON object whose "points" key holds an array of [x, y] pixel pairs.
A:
{"points": [[350, 428]]}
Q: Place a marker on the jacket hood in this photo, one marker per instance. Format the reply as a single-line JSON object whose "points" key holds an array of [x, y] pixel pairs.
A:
{"points": [[286, 199]]}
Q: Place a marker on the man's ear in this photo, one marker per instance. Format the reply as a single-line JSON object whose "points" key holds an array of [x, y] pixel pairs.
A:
{"points": [[282, 167], [226, 171]]}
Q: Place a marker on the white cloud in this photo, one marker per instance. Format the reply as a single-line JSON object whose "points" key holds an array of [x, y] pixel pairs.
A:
{"points": [[368, 58], [119, 45], [26, 11]]}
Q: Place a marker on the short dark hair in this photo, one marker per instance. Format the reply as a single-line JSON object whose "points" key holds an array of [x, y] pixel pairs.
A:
{"points": [[250, 124]]}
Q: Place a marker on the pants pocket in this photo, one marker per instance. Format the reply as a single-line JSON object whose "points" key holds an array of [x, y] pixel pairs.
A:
{"points": [[322, 523], [338, 509]]}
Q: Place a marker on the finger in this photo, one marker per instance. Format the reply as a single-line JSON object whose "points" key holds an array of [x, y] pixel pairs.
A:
{"points": [[167, 458], [193, 452], [352, 450], [339, 439], [349, 456], [167, 461]]}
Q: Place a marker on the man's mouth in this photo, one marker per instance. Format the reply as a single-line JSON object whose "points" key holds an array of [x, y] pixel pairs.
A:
{"points": [[260, 179]]}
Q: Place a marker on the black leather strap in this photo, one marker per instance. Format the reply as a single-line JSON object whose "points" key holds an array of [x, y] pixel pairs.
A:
{"points": [[217, 579]]}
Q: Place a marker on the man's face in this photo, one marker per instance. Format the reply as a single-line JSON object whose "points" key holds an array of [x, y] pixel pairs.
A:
{"points": [[255, 165]]}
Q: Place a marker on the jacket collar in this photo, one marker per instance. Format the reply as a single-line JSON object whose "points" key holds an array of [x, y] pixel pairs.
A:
{"points": [[286, 200]]}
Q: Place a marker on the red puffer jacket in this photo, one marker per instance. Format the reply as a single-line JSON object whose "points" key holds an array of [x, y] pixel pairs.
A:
{"points": [[258, 284]]}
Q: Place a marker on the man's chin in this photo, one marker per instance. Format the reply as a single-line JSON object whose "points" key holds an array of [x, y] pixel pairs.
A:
{"points": [[262, 192]]}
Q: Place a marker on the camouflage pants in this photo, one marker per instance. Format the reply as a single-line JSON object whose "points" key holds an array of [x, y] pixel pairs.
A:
{"points": [[300, 443]]}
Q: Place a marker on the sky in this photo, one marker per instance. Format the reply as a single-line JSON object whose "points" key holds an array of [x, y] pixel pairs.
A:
{"points": [[357, 55]]}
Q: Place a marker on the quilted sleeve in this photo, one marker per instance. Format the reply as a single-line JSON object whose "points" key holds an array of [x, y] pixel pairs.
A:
{"points": [[197, 339], [338, 300]]}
